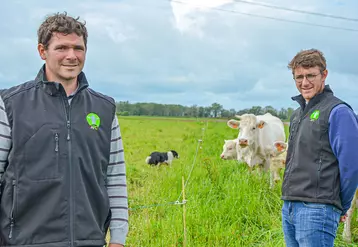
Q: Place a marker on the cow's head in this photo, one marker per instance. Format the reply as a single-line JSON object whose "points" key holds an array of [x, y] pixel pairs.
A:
{"points": [[248, 127], [229, 150]]}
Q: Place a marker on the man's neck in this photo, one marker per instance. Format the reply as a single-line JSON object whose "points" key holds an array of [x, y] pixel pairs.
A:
{"points": [[70, 87]]}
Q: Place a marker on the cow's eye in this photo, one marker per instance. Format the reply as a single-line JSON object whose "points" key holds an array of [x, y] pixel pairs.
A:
{"points": [[253, 128]]}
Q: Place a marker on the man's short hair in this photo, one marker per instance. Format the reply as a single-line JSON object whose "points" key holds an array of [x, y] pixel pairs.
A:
{"points": [[308, 59], [60, 23]]}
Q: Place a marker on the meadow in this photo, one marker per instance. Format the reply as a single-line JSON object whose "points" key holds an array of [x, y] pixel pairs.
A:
{"points": [[226, 205]]}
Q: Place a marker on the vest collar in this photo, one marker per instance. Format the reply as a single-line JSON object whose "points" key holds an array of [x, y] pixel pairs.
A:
{"points": [[55, 88], [315, 100]]}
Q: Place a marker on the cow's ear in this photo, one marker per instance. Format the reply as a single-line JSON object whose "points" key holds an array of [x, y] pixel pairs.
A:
{"points": [[280, 146], [261, 124], [232, 123]]}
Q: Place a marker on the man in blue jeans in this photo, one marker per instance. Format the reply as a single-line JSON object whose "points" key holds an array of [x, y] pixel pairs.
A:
{"points": [[321, 173]]}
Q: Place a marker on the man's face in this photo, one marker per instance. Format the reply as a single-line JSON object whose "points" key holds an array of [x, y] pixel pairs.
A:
{"points": [[65, 57], [310, 81]]}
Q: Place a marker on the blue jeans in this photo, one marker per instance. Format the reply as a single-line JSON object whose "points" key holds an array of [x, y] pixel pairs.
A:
{"points": [[307, 224]]}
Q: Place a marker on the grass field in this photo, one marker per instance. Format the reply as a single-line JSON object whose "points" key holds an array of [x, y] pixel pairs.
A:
{"points": [[226, 206]]}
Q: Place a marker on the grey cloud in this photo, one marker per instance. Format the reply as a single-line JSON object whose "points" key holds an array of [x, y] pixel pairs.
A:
{"points": [[136, 53]]}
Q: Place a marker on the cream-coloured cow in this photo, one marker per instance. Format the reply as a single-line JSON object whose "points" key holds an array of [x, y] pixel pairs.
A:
{"points": [[347, 234], [229, 150], [256, 137], [232, 151], [278, 160]]}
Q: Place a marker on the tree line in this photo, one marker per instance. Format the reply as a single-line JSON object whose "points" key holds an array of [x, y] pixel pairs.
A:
{"points": [[215, 110]]}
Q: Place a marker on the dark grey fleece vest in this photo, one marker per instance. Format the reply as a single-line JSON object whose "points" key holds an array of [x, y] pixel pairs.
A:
{"points": [[312, 172]]}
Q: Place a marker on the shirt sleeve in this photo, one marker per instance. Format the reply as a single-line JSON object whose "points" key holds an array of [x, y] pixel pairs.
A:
{"points": [[5, 137], [117, 187], [343, 137]]}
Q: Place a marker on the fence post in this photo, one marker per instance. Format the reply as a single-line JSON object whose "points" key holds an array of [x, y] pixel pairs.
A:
{"points": [[184, 213]]}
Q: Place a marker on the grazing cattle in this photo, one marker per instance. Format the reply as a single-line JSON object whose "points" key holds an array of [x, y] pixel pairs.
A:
{"points": [[229, 150], [256, 136], [156, 158], [347, 234], [278, 160], [232, 151]]}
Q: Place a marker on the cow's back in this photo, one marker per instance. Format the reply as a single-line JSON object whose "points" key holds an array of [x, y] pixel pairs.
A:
{"points": [[272, 131]]}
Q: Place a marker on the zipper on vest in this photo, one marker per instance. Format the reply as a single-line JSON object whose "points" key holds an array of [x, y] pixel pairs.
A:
{"points": [[67, 108], [12, 220], [71, 175]]}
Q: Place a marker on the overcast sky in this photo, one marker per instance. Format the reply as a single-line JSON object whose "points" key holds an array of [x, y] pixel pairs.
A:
{"points": [[190, 51]]}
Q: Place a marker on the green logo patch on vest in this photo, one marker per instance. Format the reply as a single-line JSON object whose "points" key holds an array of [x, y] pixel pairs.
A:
{"points": [[93, 120], [315, 115]]}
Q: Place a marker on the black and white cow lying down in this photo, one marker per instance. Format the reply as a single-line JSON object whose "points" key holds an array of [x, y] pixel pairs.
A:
{"points": [[156, 158]]}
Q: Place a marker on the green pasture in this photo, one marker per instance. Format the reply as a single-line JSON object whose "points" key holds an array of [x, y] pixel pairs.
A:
{"points": [[226, 205]]}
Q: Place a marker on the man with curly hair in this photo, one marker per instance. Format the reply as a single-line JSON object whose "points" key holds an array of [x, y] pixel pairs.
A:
{"points": [[62, 168]]}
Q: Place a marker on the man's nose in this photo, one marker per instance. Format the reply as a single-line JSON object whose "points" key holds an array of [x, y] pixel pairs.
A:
{"points": [[305, 81], [71, 54]]}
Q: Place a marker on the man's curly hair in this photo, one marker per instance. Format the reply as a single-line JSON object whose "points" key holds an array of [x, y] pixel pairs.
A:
{"points": [[60, 23], [308, 59]]}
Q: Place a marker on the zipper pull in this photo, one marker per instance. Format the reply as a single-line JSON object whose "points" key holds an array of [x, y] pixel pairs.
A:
{"points": [[320, 164], [68, 128], [11, 227], [56, 142]]}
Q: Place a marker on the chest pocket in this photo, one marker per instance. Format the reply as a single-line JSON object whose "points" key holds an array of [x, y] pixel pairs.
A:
{"points": [[42, 153]]}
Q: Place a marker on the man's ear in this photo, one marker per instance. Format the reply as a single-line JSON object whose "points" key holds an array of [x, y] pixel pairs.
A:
{"points": [[324, 74], [232, 123], [261, 124], [42, 51]]}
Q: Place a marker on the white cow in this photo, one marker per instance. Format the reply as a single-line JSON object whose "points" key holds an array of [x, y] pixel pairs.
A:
{"points": [[229, 150], [347, 234], [232, 151], [256, 137], [278, 160]]}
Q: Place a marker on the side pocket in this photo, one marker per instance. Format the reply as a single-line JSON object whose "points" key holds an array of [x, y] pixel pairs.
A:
{"points": [[319, 166], [12, 212], [47, 141]]}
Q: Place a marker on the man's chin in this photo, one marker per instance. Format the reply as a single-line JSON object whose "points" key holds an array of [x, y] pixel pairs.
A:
{"points": [[70, 76], [307, 96]]}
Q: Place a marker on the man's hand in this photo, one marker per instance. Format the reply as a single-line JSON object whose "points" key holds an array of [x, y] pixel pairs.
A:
{"points": [[343, 218], [115, 245]]}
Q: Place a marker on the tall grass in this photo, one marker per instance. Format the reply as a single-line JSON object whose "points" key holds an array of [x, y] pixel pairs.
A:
{"points": [[226, 205]]}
